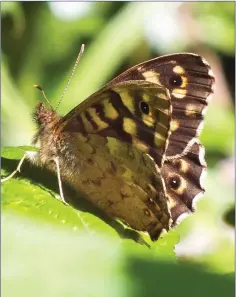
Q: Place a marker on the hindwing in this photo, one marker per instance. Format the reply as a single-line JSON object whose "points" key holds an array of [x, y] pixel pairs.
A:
{"points": [[183, 178]]}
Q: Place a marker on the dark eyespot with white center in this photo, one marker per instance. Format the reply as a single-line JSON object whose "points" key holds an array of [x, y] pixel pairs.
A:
{"points": [[144, 107], [174, 182], [175, 80]]}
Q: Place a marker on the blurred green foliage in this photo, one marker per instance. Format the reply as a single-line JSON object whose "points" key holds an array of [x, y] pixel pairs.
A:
{"points": [[45, 242]]}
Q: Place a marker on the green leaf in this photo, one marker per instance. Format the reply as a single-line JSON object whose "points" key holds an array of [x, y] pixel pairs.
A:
{"points": [[72, 264], [16, 153]]}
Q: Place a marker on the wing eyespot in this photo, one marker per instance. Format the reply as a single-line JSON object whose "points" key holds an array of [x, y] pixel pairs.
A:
{"points": [[175, 80], [144, 107], [174, 182]]}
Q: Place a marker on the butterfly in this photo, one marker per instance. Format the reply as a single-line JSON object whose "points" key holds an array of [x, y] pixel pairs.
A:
{"points": [[132, 147]]}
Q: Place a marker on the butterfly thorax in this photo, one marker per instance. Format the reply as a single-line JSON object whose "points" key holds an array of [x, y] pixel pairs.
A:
{"points": [[53, 145]]}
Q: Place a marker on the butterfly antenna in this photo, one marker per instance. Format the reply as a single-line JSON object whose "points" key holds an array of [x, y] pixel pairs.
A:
{"points": [[44, 95], [73, 72]]}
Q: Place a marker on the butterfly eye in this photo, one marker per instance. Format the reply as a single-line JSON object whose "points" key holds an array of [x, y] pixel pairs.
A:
{"points": [[175, 182], [144, 107], [175, 80]]}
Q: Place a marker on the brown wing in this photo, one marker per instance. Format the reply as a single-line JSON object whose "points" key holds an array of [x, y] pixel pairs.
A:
{"points": [[120, 135], [183, 180], [117, 178], [138, 113], [189, 79]]}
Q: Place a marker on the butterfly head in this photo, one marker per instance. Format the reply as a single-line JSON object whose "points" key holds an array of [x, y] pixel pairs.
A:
{"points": [[46, 119], [44, 116]]}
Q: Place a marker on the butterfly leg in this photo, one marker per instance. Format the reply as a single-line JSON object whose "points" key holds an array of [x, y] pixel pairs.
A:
{"points": [[17, 168], [56, 160]]}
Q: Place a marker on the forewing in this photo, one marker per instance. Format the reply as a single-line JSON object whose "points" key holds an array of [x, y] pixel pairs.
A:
{"points": [[190, 81], [116, 112]]}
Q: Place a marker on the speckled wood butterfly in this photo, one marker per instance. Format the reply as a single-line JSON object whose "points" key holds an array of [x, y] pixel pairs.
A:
{"points": [[133, 147]]}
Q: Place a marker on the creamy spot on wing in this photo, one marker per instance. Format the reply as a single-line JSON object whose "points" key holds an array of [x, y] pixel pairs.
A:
{"points": [[179, 93], [109, 110], [174, 125], [129, 126], [191, 110], [178, 69], [152, 77]]}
